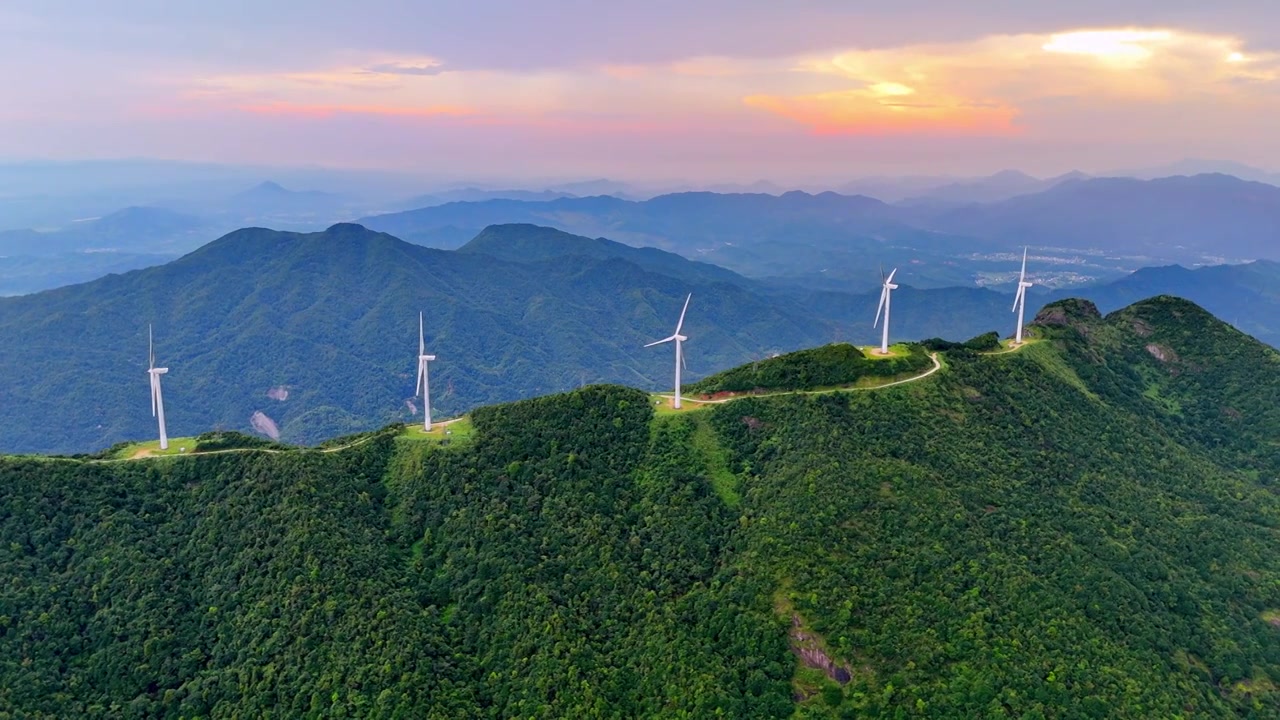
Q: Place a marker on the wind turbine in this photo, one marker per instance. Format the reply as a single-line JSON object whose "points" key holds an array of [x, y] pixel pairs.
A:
{"points": [[885, 289], [1020, 300], [157, 402], [423, 385], [678, 338]]}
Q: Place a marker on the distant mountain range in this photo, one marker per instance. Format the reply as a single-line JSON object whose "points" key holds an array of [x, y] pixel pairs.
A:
{"points": [[133, 229], [476, 195], [1095, 227], [1086, 229], [1199, 216]]}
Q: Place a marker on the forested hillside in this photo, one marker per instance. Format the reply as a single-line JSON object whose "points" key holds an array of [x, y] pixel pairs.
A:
{"points": [[317, 332], [1085, 527]]}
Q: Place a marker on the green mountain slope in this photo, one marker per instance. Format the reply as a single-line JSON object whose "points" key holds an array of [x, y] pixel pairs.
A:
{"points": [[532, 243], [1035, 533], [1246, 295], [316, 332]]}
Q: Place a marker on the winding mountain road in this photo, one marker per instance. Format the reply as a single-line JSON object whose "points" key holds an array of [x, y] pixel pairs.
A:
{"points": [[937, 365]]}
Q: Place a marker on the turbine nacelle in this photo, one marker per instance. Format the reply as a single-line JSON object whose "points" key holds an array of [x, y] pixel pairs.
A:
{"points": [[887, 285], [676, 338]]}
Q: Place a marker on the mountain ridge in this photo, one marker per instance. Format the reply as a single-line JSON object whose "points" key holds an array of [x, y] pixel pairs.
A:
{"points": [[1033, 533]]}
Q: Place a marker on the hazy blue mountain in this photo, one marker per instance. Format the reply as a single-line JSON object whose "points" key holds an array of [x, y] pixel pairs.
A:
{"points": [[688, 223], [532, 243], [270, 198], [453, 224], [133, 229], [49, 194], [599, 186], [992, 188], [471, 194], [894, 189], [1191, 217], [825, 241], [24, 274], [1202, 166]]}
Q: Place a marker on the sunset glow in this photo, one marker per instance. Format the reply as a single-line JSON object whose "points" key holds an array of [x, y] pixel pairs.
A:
{"points": [[324, 111], [797, 85]]}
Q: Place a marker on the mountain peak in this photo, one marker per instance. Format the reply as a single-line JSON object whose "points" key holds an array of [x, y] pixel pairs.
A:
{"points": [[344, 228], [1070, 311]]}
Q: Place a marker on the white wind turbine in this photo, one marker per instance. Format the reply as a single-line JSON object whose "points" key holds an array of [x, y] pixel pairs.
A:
{"points": [[885, 289], [423, 385], [1020, 300], [157, 402], [678, 338]]}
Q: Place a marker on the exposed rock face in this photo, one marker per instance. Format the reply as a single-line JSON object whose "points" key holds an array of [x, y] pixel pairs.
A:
{"points": [[1067, 312], [264, 425], [808, 648], [1161, 353]]}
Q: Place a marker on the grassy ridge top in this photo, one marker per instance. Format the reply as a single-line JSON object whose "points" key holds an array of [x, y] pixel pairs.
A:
{"points": [[826, 366]]}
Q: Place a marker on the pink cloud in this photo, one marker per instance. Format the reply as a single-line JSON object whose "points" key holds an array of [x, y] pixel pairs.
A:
{"points": [[325, 111]]}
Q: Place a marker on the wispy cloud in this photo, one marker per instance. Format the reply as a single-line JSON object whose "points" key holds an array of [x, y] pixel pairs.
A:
{"points": [[426, 66], [982, 86], [325, 111], [995, 86]]}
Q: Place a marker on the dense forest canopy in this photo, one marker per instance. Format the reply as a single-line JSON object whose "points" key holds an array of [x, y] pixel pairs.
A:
{"points": [[1083, 528]]}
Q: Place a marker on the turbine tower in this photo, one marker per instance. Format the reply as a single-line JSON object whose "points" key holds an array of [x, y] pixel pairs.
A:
{"points": [[423, 385], [678, 338], [157, 402], [885, 289], [1020, 300]]}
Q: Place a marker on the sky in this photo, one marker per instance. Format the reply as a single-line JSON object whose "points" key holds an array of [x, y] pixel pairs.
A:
{"points": [[697, 90]]}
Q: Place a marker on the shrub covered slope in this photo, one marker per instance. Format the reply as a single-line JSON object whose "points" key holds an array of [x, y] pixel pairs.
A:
{"points": [[1083, 528]]}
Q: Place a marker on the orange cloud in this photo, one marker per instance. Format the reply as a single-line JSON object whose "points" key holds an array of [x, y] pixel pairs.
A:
{"points": [[324, 111], [982, 86], [887, 109]]}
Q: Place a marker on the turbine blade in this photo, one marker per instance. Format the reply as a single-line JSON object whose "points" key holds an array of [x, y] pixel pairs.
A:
{"points": [[891, 274], [153, 396], [422, 343], [680, 352], [151, 352], [682, 312], [1018, 297], [883, 293], [659, 342], [1023, 276], [418, 389]]}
